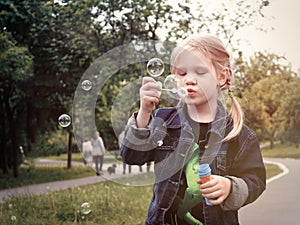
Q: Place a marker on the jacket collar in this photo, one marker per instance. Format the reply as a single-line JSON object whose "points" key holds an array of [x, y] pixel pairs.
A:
{"points": [[218, 126]]}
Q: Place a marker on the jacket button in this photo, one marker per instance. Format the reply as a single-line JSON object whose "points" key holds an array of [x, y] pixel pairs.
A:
{"points": [[160, 143]]}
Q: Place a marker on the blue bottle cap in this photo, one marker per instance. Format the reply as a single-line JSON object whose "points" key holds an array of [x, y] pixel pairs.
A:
{"points": [[204, 170]]}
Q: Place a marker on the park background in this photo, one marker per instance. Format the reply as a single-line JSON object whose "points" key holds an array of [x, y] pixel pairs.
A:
{"points": [[46, 46]]}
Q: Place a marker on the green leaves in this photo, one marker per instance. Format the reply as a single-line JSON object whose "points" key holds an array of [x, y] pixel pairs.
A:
{"points": [[15, 64], [269, 89]]}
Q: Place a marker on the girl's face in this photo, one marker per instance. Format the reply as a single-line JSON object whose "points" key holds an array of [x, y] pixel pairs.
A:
{"points": [[196, 74]]}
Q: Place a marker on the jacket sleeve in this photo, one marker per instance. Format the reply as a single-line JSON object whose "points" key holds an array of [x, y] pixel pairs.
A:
{"points": [[139, 145], [101, 145], [136, 147], [248, 174]]}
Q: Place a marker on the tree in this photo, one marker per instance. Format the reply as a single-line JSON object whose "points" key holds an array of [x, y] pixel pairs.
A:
{"points": [[56, 35], [260, 66], [16, 65], [265, 81], [64, 45], [265, 100], [289, 129]]}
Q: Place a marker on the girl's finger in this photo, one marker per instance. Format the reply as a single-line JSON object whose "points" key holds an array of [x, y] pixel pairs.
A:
{"points": [[147, 80]]}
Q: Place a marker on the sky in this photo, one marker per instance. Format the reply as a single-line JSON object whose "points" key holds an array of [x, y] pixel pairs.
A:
{"points": [[281, 15], [284, 39]]}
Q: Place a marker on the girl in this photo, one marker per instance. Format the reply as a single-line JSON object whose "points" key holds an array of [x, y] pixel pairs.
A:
{"points": [[197, 131]]}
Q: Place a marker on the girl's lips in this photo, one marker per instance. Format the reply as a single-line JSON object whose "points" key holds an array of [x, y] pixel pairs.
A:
{"points": [[191, 92]]}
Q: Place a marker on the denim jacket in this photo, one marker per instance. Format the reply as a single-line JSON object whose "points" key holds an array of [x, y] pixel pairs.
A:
{"points": [[168, 141]]}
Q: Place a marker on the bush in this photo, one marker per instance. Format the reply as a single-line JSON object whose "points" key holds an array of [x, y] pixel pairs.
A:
{"points": [[53, 143]]}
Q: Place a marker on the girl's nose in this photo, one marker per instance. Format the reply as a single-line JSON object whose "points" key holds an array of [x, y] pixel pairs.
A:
{"points": [[189, 80]]}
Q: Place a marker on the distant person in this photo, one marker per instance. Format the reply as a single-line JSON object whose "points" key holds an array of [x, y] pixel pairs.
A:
{"points": [[87, 150], [22, 154], [98, 152], [120, 138], [116, 153], [148, 166]]}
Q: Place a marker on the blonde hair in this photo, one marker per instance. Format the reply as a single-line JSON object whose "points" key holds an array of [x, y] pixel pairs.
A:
{"points": [[214, 49]]}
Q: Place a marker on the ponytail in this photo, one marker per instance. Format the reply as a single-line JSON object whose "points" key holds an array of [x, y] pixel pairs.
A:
{"points": [[237, 116]]}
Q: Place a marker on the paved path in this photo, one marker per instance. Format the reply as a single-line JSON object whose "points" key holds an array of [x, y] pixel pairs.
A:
{"points": [[280, 203], [38, 189]]}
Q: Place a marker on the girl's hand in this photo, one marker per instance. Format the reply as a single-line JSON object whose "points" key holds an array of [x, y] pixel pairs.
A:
{"points": [[149, 94], [217, 189], [149, 97]]}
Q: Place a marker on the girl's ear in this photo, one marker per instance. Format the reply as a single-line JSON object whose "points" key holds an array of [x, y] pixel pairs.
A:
{"points": [[224, 76]]}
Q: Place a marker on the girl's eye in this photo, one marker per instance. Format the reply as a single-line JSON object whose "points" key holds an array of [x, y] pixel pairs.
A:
{"points": [[181, 72], [200, 72]]}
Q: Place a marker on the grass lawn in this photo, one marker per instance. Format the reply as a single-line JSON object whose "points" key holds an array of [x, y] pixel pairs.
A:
{"points": [[282, 151], [79, 158], [272, 170], [101, 203], [75, 157]]}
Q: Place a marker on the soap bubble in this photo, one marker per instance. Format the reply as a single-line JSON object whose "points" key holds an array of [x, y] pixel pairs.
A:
{"points": [[170, 85], [155, 67], [64, 120], [86, 85], [85, 208]]}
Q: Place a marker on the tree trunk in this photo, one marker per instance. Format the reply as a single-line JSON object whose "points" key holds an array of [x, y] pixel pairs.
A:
{"points": [[13, 138], [272, 137], [70, 150], [3, 152], [271, 143], [3, 161]]}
